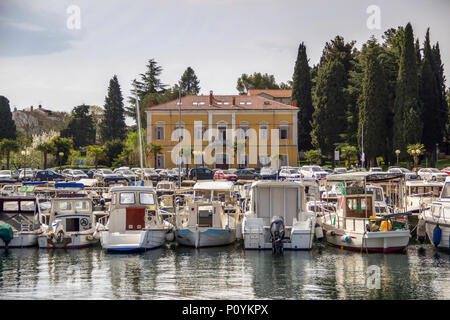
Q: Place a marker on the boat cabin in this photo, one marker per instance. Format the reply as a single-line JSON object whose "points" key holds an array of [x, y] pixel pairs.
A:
{"points": [[222, 191], [74, 213], [21, 213], [132, 208]]}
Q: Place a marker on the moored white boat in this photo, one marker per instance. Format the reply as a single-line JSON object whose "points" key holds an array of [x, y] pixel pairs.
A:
{"points": [[134, 221], [277, 217]]}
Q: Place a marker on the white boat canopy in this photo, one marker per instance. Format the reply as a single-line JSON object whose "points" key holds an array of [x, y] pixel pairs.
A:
{"points": [[214, 185]]}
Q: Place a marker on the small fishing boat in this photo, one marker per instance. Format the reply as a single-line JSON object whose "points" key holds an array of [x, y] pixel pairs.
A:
{"points": [[20, 221], [71, 224], [355, 225], [277, 218], [134, 221], [436, 219]]}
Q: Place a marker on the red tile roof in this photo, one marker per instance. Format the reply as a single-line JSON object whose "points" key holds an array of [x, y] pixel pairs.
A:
{"points": [[276, 93], [223, 102]]}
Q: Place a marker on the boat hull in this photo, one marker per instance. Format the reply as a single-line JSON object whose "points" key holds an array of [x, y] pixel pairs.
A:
{"points": [[71, 241], [133, 241], [382, 242], [444, 243], [22, 240], [205, 238]]}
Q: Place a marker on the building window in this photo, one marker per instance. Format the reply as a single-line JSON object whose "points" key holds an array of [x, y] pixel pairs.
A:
{"points": [[159, 132], [263, 161], [179, 129], [284, 161], [160, 161], [242, 132], [284, 131]]}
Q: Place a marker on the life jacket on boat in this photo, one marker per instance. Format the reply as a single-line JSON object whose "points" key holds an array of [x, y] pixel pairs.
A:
{"points": [[385, 225]]}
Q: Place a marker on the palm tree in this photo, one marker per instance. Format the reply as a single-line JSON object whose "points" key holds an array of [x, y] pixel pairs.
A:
{"points": [[96, 152], [348, 152], [415, 150], [154, 149], [45, 148], [6, 147]]}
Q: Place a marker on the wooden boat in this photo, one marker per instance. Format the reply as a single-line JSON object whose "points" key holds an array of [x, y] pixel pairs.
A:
{"points": [[355, 225]]}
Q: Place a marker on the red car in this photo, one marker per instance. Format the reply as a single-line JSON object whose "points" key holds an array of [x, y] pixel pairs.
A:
{"points": [[446, 170], [225, 175]]}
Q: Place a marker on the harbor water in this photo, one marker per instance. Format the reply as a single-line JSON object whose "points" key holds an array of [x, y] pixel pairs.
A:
{"points": [[224, 273]]}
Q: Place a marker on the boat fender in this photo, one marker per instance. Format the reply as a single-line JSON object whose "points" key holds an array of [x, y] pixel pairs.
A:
{"points": [[332, 233], [437, 234], [346, 238], [6, 233], [90, 237], [318, 231]]}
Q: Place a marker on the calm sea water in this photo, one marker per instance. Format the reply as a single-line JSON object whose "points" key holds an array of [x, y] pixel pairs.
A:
{"points": [[222, 273]]}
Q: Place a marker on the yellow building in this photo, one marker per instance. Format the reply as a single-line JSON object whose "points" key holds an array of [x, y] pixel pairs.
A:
{"points": [[253, 131]]}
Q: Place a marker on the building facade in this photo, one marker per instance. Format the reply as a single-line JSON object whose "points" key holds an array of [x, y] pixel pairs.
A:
{"points": [[226, 131]]}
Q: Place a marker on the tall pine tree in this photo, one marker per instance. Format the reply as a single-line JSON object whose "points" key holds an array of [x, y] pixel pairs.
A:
{"points": [[7, 125], [407, 109], [301, 93], [189, 82], [113, 125]]}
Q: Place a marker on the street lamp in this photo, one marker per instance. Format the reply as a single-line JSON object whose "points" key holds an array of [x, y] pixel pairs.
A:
{"points": [[61, 154], [397, 152]]}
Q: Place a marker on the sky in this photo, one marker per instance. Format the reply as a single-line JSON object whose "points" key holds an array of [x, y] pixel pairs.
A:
{"points": [[61, 53]]}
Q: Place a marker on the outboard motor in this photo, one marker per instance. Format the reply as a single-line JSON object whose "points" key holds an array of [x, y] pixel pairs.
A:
{"points": [[277, 234]]}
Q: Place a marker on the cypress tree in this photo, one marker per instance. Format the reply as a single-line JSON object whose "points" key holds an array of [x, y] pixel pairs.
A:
{"points": [[429, 95], [407, 110], [113, 125], [81, 127], [373, 105], [7, 125], [301, 93], [329, 118]]}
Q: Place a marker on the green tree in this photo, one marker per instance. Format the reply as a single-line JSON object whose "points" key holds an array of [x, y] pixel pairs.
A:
{"points": [[407, 124], [372, 102], [81, 127], [255, 81], [64, 145], [301, 93], [189, 82], [97, 153], [7, 125], [6, 147], [148, 84], [313, 156], [154, 149], [329, 117], [430, 98], [415, 150], [46, 148], [348, 152], [112, 149], [113, 125]]}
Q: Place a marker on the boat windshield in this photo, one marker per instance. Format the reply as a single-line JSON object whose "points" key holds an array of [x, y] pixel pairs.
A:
{"points": [[446, 191], [146, 198]]}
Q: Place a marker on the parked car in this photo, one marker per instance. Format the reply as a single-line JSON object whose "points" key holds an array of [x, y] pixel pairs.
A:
{"points": [[101, 174], [290, 174], [6, 175], [315, 172], [328, 170], [375, 169], [268, 174], [15, 174], [126, 173], [48, 175], [446, 170], [431, 174], [75, 174], [407, 173], [151, 174], [339, 170], [245, 174], [26, 174], [201, 174], [225, 175], [89, 172]]}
